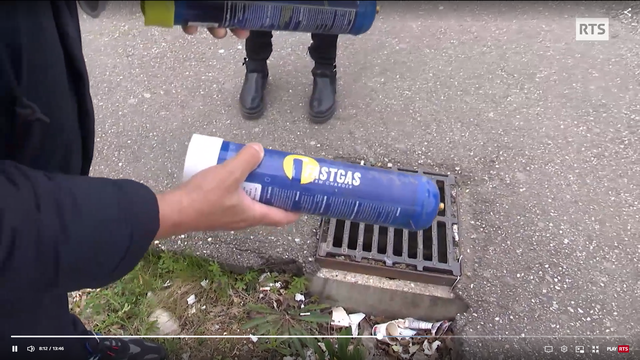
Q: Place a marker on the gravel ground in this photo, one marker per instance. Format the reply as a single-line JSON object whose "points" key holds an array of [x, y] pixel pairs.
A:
{"points": [[541, 129]]}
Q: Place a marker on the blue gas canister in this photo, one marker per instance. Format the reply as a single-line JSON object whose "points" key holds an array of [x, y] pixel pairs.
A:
{"points": [[326, 188], [326, 17]]}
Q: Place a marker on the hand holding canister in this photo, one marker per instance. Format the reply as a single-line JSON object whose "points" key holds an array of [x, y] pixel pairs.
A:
{"points": [[324, 187]]}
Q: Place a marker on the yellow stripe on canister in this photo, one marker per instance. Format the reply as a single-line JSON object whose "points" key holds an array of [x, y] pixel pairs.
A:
{"points": [[158, 13]]}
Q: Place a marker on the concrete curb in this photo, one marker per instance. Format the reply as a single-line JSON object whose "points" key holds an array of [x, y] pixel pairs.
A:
{"points": [[441, 304]]}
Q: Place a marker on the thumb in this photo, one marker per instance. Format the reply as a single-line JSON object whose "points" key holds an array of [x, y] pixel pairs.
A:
{"points": [[245, 161]]}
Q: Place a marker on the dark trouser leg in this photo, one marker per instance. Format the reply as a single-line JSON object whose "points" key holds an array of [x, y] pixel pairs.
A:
{"points": [[323, 51], [258, 47], [31, 314]]}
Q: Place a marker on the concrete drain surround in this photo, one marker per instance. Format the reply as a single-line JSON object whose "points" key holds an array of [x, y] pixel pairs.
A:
{"points": [[429, 256]]}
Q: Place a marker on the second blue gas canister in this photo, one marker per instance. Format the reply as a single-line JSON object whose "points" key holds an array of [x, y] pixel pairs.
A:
{"points": [[325, 17], [327, 188]]}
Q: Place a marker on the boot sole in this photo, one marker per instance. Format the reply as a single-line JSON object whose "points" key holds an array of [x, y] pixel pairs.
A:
{"points": [[252, 115], [323, 118]]}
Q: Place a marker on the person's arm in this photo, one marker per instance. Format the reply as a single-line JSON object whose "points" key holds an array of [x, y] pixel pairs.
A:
{"points": [[71, 232]]}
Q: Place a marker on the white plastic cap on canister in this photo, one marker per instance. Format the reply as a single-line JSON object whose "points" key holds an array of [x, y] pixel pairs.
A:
{"points": [[203, 153]]}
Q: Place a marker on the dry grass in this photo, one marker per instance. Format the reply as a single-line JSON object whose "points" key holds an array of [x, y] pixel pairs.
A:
{"points": [[165, 281]]}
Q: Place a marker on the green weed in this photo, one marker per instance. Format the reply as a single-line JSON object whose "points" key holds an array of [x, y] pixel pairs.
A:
{"points": [[297, 285], [285, 320]]}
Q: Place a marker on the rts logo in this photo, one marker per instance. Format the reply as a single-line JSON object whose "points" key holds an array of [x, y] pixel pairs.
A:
{"points": [[592, 29], [623, 348]]}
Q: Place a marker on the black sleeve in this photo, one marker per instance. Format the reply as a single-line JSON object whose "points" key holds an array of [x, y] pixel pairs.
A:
{"points": [[70, 232]]}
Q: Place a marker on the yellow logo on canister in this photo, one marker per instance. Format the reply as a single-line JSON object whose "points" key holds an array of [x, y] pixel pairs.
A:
{"points": [[308, 172]]}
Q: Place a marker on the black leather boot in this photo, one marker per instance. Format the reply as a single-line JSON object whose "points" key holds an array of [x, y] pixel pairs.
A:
{"points": [[322, 105], [252, 94]]}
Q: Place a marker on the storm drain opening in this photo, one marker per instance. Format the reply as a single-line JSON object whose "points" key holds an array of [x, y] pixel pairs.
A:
{"points": [[429, 256]]}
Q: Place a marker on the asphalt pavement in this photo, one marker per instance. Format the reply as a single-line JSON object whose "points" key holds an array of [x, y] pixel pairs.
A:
{"points": [[542, 131]]}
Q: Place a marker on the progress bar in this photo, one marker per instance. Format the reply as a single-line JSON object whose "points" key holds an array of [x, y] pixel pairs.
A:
{"points": [[308, 336]]}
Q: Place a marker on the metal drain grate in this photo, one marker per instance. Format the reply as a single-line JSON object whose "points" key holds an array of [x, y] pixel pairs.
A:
{"points": [[428, 256]]}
